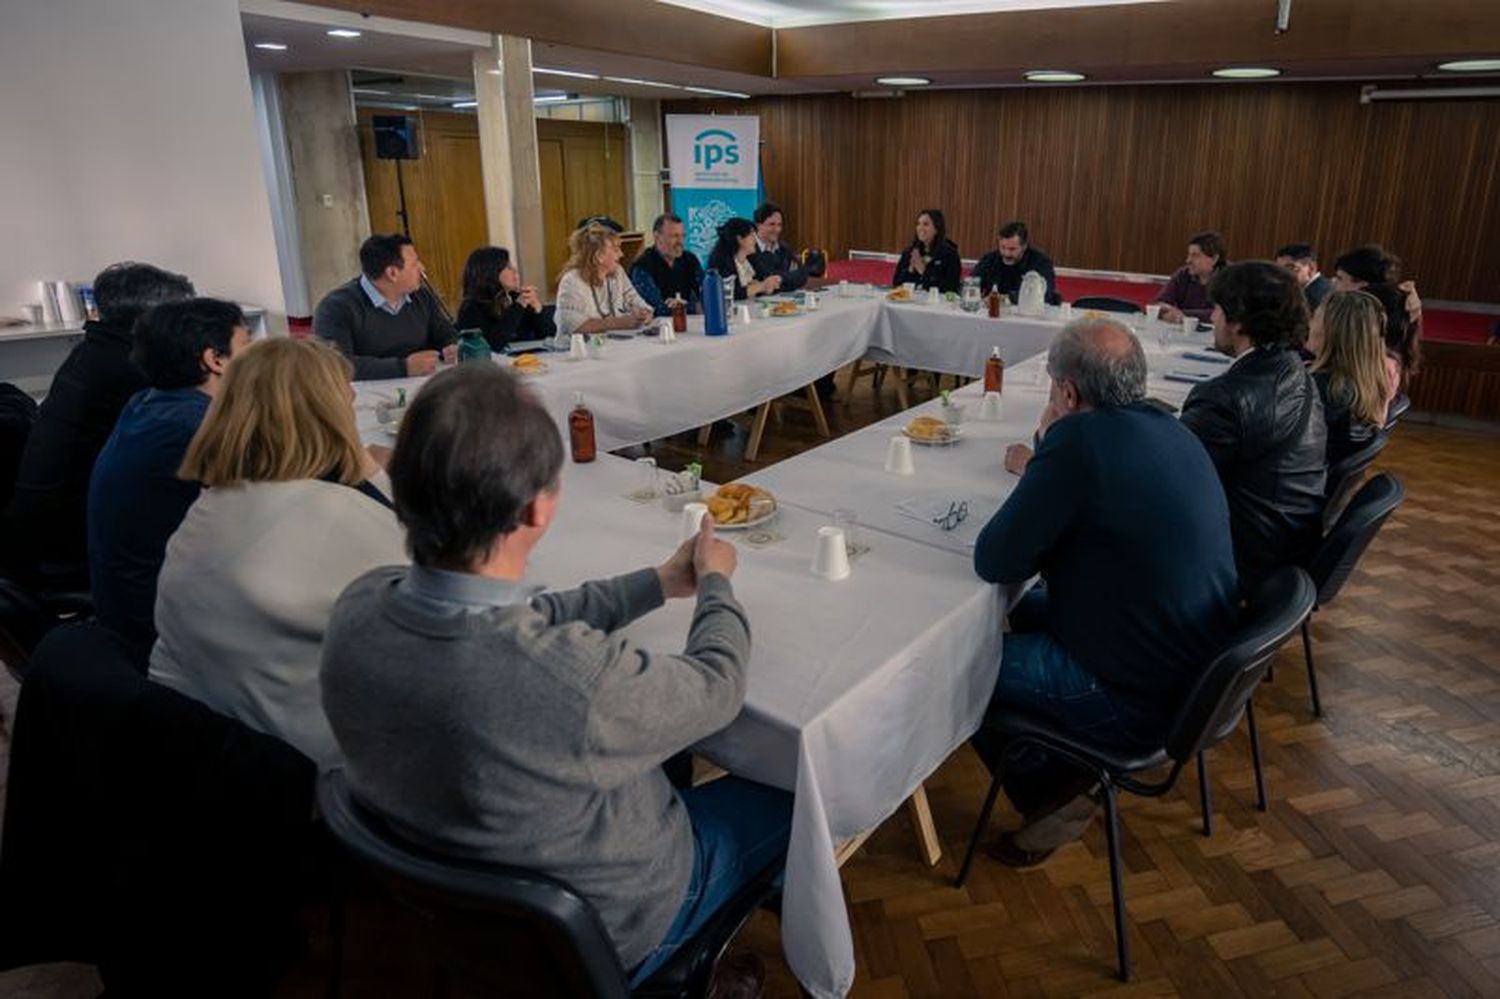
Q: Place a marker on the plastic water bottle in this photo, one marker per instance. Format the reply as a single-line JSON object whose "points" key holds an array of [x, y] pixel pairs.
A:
{"points": [[715, 317]]}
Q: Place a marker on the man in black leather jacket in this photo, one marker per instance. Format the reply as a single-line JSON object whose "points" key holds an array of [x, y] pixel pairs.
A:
{"points": [[1262, 420]]}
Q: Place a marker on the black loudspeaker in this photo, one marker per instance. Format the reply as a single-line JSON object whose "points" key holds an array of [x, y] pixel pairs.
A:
{"points": [[396, 137]]}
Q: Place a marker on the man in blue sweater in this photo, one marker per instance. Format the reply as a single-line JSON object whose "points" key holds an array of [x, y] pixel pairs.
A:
{"points": [[1121, 513]]}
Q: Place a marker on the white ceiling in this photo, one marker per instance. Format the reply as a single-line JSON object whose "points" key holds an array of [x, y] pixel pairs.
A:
{"points": [[801, 13]]}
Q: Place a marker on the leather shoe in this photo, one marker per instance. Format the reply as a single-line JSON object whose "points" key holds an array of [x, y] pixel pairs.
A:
{"points": [[740, 976]]}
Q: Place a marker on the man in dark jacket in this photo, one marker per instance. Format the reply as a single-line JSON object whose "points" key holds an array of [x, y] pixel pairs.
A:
{"points": [[1013, 257], [1262, 420], [46, 523], [1301, 261], [1121, 512], [386, 321], [667, 270], [771, 255]]}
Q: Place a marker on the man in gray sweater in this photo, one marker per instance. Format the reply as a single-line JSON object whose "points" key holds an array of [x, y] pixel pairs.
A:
{"points": [[485, 719], [386, 321]]}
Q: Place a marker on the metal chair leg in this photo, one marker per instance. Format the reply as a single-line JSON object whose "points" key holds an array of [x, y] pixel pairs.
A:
{"points": [[1260, 777], [1205, 796], [1312, 673], [1116, 880], [979, 827]]}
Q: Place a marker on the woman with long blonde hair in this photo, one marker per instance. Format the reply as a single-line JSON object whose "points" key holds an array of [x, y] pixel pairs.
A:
{"points": [[293, 509], [1351, 369], [594, 295]]}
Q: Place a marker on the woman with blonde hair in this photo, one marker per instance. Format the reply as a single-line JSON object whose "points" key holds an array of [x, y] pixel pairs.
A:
{"points": [[293, 508], [1354, 375], [594, 295]]}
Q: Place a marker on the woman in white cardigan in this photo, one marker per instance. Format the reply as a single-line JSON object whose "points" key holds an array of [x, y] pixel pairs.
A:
{"points": [[292, 511], [594, 295]]}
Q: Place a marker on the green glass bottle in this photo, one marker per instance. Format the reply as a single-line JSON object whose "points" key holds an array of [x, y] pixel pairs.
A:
{"points": [[472, 346]]}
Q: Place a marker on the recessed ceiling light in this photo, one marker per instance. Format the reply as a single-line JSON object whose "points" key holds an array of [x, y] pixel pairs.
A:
{"points": [[343, 33], [642, 83], [1471, 66], [495, 72], [1053, 76], [465, 104], [565, 72], [550, 99], [367, 90], [271, 46], [902, 81], [717, 93], [1246, 73]]}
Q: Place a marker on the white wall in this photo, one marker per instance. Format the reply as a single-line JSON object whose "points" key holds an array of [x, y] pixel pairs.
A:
{"points": [[127, 131]]}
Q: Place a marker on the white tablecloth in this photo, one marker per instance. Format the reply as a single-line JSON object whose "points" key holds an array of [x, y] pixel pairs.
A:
{"points": [[858, 689], [944, 338], [642, 389]]}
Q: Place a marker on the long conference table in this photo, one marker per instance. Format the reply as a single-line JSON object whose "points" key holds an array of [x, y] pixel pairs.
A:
{"points": [[858, 689]]}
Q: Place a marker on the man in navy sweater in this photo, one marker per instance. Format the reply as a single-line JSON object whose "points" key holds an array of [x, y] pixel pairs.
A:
{"points": [[1121, 513]]}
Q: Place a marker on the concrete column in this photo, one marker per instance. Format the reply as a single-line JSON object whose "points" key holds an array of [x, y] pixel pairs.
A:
{"points": [[328, 177], [645, 161], [508, 154]]}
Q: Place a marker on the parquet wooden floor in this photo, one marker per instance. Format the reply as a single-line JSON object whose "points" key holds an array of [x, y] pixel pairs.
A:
{"points": [[1376, 871]]}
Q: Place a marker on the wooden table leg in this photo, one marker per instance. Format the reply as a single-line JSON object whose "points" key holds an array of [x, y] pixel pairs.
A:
{"points": [[921, 820], [816, 405], [899, 375], [757, 431], [704, 433]]}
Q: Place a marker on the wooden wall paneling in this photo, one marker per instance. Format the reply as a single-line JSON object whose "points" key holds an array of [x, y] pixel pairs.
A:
{"points": [[1117, 178], [555, 218], [585, 171], [444, 195]]}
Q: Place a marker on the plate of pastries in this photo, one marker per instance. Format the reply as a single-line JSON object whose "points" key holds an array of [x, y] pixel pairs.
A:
{"points": [[737, 506], [784, 309], [931, 430], [528, 364], [898, 295]]}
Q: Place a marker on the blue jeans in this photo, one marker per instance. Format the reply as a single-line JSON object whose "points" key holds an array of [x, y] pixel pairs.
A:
{"points": [[1037, 675], [739, 828]]}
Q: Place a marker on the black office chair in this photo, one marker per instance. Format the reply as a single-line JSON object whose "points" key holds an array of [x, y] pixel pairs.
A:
{"points": [[1345, 475], [1340, 552], [512, 931], [27, 615], [1107, 303], [1211, 711], [1398, 408]]}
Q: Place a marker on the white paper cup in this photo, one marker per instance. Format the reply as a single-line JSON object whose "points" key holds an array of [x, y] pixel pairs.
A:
{"points": [[953, 414], [1189, 326], [578, 348], [910, 286], [692, 519], [898, 459], [989, 406], [664, 328], [812, 301], [831, 560], [742, 314], [934, 296], [1153, 311], [843, 289], [1067, 312]]}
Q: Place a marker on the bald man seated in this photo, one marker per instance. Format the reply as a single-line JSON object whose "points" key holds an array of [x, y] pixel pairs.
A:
{"points": [[1121, 513]]}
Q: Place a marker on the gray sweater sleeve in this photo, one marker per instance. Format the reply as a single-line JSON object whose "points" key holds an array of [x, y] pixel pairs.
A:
{"points": [[655, 703], [608, 604]]}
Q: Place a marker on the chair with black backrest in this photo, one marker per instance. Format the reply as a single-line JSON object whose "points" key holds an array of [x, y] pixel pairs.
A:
{"points": [[1341, 550], [512, 931], [1221, 695], [26, 615], [1107, 303], [1398, 408], [1345, 475], [146, 834]]}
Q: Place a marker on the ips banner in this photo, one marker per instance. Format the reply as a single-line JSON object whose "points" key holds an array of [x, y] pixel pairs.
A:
{"points": [[715, 172]]}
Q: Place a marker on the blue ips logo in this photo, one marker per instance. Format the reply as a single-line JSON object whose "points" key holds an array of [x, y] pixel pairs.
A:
{"points": [[714, 146]]}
